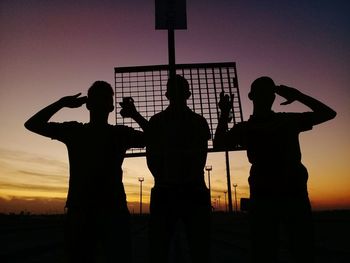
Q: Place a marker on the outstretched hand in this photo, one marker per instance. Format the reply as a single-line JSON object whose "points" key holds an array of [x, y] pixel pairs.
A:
{"points": [[290, 94], [73, 101], [128, 108], [226, 103]]}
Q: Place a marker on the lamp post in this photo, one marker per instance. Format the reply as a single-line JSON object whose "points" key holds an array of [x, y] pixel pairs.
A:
{"points": [[208, 168], [225, 192], [236, 206], [141, 179], [219, 204]]}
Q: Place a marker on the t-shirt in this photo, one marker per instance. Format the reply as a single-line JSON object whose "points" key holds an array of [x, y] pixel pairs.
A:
{"points": [[96, 154], [273, 149], [177, 142]]}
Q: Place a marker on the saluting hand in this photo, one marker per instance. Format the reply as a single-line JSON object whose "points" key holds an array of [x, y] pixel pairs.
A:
{"points": [[73, 101], [290, 94]]}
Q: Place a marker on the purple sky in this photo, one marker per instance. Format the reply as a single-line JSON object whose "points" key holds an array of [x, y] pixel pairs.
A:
{"points": [[50, 49]]}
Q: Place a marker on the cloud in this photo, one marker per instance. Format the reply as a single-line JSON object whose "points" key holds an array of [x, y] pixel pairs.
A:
{"points": [[32, 187], [16, 157], [24, 175], [33, 205], [44, 177]]}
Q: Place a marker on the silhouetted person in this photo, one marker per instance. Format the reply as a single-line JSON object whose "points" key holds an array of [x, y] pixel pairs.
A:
{"points": [[176, 150], [278, 179], [97, 228]]}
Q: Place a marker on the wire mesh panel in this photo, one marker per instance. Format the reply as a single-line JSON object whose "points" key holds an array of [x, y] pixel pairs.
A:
{"points": [[147, 86]]}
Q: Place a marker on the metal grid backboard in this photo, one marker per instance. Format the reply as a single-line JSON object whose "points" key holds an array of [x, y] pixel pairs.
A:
{"points": [[147, 86]]}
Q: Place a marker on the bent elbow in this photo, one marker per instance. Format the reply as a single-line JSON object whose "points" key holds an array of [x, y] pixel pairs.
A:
{"points": [[333, 114], [330, 115], [27, 125]]}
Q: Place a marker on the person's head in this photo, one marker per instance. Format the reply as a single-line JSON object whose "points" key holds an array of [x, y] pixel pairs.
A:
{"points": [[262, 92], [100, 97], [178, 90]]}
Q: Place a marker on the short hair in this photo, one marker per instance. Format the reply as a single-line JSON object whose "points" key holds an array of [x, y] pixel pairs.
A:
{"points": [[262, 85], [99, 88], [178, 84]]}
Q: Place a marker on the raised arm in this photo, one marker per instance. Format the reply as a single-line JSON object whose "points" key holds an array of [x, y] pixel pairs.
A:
{"points": [[129, 110], [38, 122], [225, 105], [321, 112]]}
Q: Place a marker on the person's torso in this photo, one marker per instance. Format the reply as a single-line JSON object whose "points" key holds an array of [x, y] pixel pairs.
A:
{"points": [[273, 149], [95, 156], [177, 147]]}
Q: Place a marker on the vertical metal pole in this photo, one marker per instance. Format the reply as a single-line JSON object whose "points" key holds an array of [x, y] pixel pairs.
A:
{"points": [[209, 168], [225, 202], [209, 185], [236, 204], [141, 179], [140, 197], [230, 210], [171, 52]]}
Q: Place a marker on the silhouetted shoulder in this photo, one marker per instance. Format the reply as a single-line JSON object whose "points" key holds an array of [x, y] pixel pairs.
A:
{"points": [[203, 124], [61, 131], [156, 117]]}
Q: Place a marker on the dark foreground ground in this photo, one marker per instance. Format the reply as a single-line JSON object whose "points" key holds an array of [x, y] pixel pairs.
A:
{"points": [[34, 238]]}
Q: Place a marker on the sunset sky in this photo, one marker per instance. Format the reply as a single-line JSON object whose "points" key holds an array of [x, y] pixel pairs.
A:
{"points": [[50, 49]]}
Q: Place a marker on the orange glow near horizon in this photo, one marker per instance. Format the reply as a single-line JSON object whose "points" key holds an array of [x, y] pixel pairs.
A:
{"points": [[20, 196], [51, 49]]}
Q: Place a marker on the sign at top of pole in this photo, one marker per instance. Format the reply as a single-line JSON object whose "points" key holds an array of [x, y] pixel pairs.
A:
{"points": [[171, 14]]}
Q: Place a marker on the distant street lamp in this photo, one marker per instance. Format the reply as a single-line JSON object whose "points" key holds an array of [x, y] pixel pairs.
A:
{"points": [[236, 206], [225, 192], [209, 168], [219, 204], [141, 179]]}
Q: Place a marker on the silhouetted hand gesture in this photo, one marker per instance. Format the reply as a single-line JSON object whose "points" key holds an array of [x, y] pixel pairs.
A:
{"points": [[226, 104], [73, 101], [128, 107], [290, 94]]}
